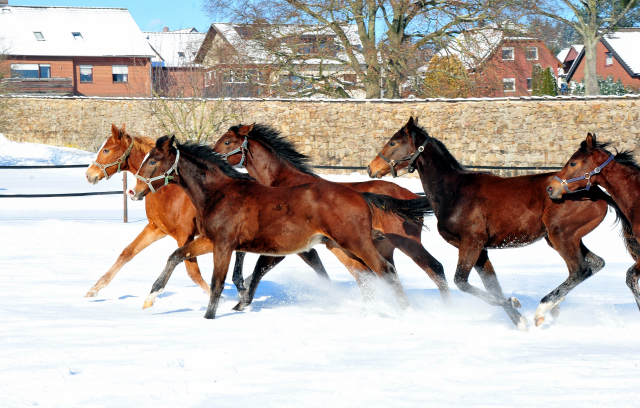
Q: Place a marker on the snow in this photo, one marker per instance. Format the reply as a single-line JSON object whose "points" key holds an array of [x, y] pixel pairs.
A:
{"points": [[168, 45], [625, 44], [302, 342]]}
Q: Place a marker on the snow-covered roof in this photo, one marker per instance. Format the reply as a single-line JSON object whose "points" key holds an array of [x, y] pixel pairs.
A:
{"points": [[472, 48], [236, 36], [562, 55], [174, 48], [71, 31], [625, 43]]}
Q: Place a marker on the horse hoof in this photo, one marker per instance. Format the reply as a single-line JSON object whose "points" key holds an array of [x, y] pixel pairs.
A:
{"points": [[147, 304], [91, 294], [239, 307], [539, 320], [209, 315], [522, 324], [515, 303], [555, 312]]}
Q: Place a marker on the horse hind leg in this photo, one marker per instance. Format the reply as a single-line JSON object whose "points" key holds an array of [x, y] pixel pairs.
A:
{"points": [[632, 281], [361, 273], [312, 259], [595, 262], [264, 265], [148, 236], [237, 278]]}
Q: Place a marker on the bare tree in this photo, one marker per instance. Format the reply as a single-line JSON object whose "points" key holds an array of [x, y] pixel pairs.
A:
{"points": [[592, 20], [389, 32]]}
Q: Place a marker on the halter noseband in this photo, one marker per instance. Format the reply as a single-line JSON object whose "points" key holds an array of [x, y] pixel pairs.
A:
{"points": [[244, 147], [411, 158], [164, 176], [587, 176], [121, 160]]}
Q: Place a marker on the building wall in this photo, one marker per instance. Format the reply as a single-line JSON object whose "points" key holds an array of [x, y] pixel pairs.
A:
{"points": [[495, 69], [520, 132], [139, 83], [604, 70]]}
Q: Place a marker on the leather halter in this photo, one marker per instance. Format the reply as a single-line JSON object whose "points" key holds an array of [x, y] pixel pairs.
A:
{"points": [[411, 158], [164, 176], [121, 160], [586, 176], [244, 147]]}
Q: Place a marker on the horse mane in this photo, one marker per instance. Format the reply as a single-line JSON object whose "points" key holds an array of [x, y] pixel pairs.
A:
{"points": [[142, 143], [206, 153], [625, 157], [282, 147], [446, 155]]}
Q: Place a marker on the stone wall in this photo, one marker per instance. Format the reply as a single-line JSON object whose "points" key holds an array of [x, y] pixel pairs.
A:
{"points": [[494, 132]]}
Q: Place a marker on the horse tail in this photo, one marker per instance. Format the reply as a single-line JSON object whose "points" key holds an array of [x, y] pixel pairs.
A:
{"points": [[411, 211], [629, 238]]}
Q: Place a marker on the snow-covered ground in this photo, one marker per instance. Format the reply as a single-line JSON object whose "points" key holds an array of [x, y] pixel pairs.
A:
{"points": [[302, 343]]}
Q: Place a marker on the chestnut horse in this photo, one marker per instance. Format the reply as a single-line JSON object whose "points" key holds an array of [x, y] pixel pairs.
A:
{"points": [[274, 161], [236, 212], [619, 174], [480, 211], [170, 212]]}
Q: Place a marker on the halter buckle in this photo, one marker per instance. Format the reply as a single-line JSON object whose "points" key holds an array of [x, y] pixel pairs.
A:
{"points": [[596, 170], [587, 176], [563, 183], [421, 149]]}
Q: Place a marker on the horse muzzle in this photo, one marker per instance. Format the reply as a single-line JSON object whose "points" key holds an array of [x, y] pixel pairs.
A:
{"points": [[135, 195]]}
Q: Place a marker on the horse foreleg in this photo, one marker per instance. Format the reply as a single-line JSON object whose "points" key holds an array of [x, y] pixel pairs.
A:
{"points": [[424, 260], [198, 246], [148, 236], [237, 278], [221, 261], [312, 259], [264, 265], [632, 281], [490, 281]]}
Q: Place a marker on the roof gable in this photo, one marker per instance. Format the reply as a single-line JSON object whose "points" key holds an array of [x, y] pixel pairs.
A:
{"points": [[624, 44], [103, 32], [175, 48]]}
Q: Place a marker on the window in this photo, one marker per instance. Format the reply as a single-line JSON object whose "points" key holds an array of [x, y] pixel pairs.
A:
{"points": [[509, 84], [532, 53], [77, 36], [86, 73], [39, 35], [120, 73], [30, 70], [507, 53], [609, 59], [529, 86]]}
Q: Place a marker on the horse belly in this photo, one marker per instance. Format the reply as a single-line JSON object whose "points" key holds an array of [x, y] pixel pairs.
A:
{"points": [[280, 244]]}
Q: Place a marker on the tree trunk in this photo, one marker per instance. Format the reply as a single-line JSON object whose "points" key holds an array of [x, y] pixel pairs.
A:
{"points": [[590, 74]]}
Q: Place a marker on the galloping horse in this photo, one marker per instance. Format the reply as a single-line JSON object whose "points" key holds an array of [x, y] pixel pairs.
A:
{"points": [[237, 213], [480, 211], [274, 161], [619, 174], [169, 212]]}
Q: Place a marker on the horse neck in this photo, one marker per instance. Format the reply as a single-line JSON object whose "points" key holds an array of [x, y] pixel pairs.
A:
{"points": [[439, 178], [623, 184], [271, 170], [189, 177]]}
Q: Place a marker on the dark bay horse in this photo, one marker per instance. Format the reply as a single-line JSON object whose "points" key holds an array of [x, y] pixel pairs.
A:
{"points": [[169, 212], [236, 212], [480, 211], [619, 174], [273, 161]]}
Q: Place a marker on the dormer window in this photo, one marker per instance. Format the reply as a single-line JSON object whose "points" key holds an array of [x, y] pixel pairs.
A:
{"points": [[39, 35], [77, 36]]}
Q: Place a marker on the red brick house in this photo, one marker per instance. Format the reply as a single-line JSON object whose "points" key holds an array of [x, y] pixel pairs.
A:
{"points": [[617, 55], [74, 51], [501, 62]]}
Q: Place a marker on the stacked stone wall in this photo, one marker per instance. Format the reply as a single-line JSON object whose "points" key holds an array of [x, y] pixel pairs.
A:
{"points": [[494, 132]]}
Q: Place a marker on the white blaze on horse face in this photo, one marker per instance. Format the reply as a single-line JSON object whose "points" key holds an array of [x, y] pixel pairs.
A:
{"points": [[101, 147], [143, 160]]}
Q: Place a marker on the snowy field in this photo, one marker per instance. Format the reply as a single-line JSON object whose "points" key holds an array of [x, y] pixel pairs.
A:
{"points": [[302, 343]]}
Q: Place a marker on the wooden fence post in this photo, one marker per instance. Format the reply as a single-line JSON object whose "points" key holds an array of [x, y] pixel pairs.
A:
{"points": [[124, 194]]}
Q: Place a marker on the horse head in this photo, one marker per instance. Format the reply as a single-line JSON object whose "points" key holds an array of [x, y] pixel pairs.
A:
{"points": [[395, 155], [112, 156], [158, 168]]}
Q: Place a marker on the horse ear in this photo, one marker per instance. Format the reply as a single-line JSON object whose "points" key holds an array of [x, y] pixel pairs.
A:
{"points": [[410, 123], [166, 145], [115, 132], [245, 130], [590, 140]]}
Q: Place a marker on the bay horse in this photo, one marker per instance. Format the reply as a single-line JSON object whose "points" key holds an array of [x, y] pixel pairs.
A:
{"points": [[619, 174], [169, 212], [236, 212], [478, 211], [274, 161]]}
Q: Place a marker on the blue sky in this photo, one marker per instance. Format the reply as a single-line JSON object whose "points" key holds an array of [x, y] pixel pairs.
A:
{"points": [[151, 15]]}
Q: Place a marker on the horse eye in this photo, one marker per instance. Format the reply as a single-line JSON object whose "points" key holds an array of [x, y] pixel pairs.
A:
{"points": [[227, 143], [152, 162], [573, 164], [105, 151], [392, 144]]}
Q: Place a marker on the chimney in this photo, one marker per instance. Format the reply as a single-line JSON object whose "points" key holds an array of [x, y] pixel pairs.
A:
{"points": [[164, 29]]}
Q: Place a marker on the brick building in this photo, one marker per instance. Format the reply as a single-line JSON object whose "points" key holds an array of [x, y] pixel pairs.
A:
{"points": [[617, 55], [74, 51], [501, 62]]}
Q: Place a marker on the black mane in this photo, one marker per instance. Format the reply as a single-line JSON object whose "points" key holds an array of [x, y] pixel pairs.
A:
{"points": [[207, 154], [625, 157], [446, 155], [282, 147]]}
